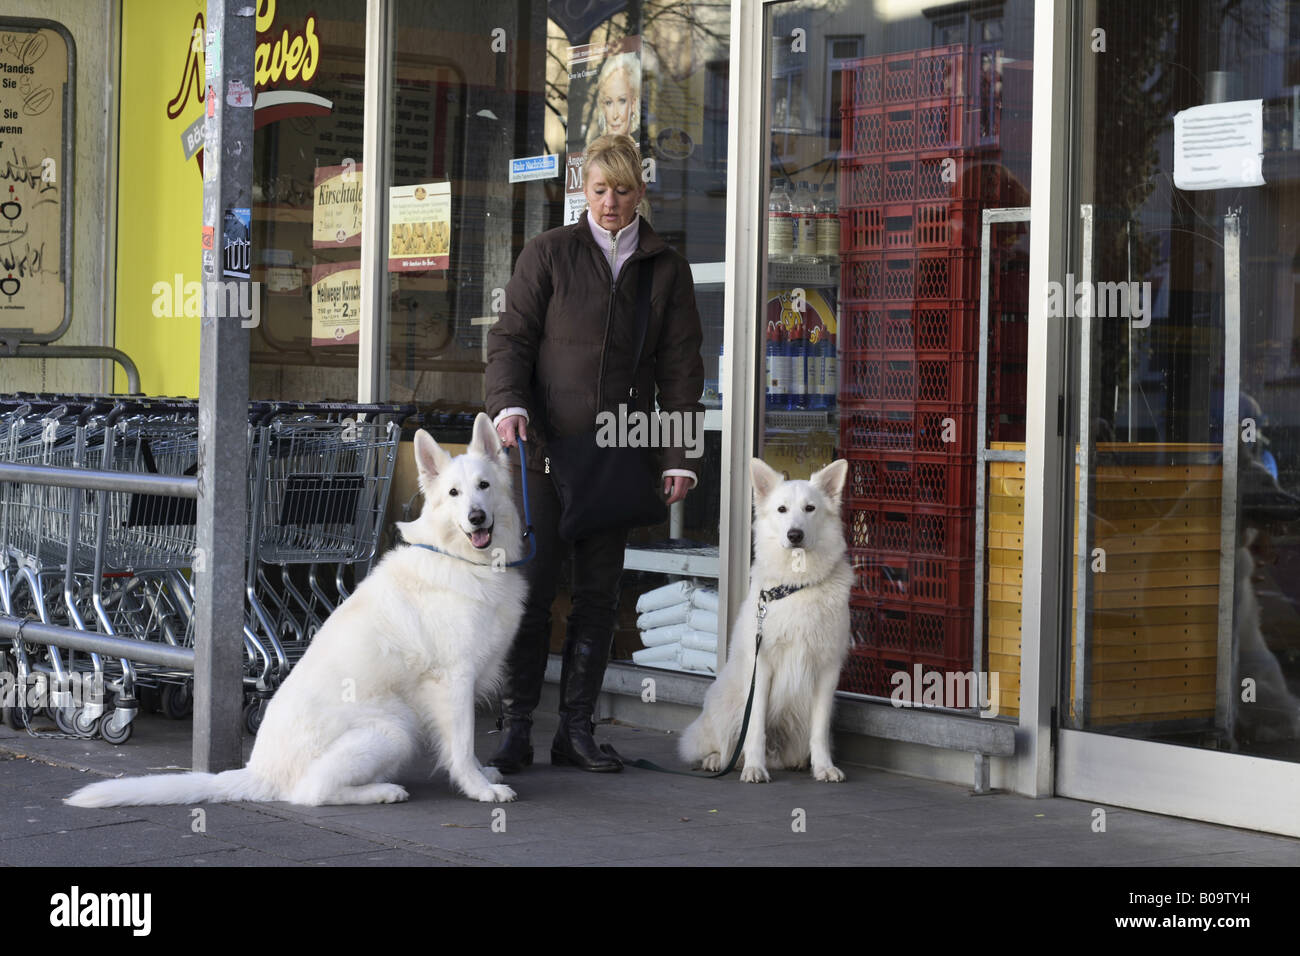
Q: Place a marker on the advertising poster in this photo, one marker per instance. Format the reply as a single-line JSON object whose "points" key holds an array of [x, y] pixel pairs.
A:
{"points": [[419, 227], [336, 303], [604, 97], [575, 201], [336, 206], [33, 73], [674, 79]]}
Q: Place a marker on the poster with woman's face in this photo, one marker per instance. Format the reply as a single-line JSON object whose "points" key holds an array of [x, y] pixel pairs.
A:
{"points": [[605, 91]]}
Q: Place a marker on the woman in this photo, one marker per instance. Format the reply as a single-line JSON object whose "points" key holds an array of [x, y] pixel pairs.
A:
{"points": [[618, 98], [568, 326]]}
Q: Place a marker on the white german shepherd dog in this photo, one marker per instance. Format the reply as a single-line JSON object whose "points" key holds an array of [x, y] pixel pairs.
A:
{"points": [[798, 543], [397, 666]]}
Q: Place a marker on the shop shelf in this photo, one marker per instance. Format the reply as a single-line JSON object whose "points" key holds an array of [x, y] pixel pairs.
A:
{"points": [[906, 477], [907, 528], [935, 430]]}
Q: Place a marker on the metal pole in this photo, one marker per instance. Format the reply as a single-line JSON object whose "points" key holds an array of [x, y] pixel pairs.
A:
{"points": [[1083, 478], [1226, 682], [223, 395]]}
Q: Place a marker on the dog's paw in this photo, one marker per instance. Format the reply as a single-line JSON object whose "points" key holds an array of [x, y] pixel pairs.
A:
{"points": [[497, 793], [712, 762], [829, 775], [493, 774], [754, 775], [391, 793]]}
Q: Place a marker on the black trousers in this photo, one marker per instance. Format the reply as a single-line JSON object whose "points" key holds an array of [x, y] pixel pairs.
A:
{"points": [[597, 569]]}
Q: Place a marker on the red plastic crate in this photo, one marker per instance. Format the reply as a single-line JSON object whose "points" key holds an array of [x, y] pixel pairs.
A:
{"points": [[959, 174], [871, 671], [885, 276], [947, 225], [861, 81], [940, 72], [927, 325], [862, 131], [907, 376], [867, 427], [941, 123], [952, 275], [898, 128], [917, 579], [862, 229], [940, 324], [909, 477], [935, 636], [866, 671], [861, 182], [907, 528]]}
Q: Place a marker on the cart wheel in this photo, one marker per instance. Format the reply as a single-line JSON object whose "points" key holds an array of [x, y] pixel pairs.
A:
{"points": [[85, 725], [176, 701], [114, 736], [150, 699], [253, 713], [65, 724]]}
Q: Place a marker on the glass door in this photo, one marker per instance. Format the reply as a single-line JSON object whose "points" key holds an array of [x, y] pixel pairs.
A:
{"points": [[890, 132], [1180, 683]]}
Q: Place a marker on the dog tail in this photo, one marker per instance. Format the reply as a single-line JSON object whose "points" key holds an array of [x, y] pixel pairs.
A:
{"points": [[159, 789]]}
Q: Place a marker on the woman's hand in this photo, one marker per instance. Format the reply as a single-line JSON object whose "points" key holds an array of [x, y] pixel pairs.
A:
{"points": [[675, 487], [508, 429]]}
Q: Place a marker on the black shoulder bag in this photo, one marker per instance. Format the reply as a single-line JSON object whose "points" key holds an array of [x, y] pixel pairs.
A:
{"points": [[603, 488]]}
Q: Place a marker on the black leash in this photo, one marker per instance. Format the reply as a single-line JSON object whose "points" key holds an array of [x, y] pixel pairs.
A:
{"points": [[772, 594]]}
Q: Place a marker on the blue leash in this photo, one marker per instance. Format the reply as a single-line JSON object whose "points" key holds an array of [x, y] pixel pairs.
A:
{"points": [[528, 520]]}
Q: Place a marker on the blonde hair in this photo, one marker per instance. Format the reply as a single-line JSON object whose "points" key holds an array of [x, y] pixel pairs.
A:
{"points": [[629, 64], [618, 157]]}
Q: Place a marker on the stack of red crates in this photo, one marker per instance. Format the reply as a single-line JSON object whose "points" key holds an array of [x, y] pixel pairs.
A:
{"points": [[913, 184]]}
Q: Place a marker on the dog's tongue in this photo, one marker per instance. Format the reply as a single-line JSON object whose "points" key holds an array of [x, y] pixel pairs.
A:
{"points": [[481, 538]]}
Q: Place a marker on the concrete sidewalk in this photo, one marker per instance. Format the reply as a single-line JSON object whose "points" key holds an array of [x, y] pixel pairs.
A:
{"points": [[567, 817]]}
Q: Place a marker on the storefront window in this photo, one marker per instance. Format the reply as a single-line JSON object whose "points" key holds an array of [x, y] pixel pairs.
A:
{"points": [[306, 225], [890, 132], [1185, 556], [493, 107]]}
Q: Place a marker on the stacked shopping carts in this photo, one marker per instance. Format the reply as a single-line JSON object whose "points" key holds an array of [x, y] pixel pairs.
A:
{"points": [[119, 563]]}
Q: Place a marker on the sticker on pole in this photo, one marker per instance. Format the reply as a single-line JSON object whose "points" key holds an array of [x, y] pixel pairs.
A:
{"points": [[236, 243], [534, 167]]}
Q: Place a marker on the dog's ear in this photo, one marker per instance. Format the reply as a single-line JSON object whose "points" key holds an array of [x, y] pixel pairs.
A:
{"points": [[430, 459], [764, 476], [830, 480], [486, 442]]}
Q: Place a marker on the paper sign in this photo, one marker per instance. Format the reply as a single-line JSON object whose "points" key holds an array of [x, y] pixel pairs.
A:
{"points": [[575, 200], [1219, 145], [534, 167], [336, 303], [336, 206], [419, 227]]}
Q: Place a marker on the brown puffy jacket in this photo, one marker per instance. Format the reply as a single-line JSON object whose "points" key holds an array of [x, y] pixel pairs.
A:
{"points": [[564, 331]]}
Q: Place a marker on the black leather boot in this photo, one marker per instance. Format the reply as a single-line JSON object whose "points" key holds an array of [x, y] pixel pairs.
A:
{"points": [[581, 677], [525, 671]]}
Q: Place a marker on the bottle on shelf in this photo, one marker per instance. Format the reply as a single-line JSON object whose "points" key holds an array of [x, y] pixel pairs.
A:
{"points": [[776, 362], [805, 213], [780, 223], [828, 226], [797, 350]]}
